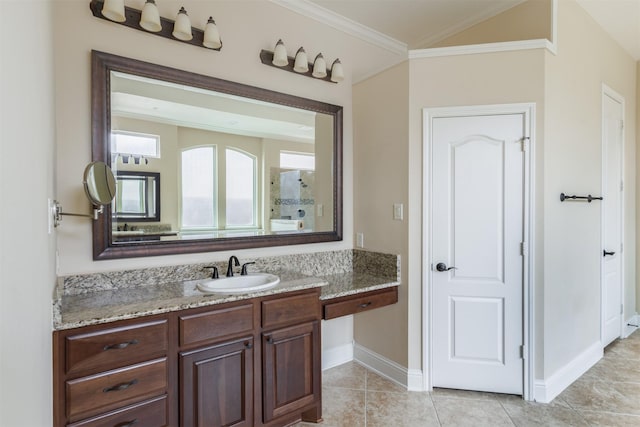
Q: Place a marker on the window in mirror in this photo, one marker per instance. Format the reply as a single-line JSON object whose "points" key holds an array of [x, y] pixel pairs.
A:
{"points": [[137, 196], [199, 205], [136, 144], [300, 161], [241, 200]]}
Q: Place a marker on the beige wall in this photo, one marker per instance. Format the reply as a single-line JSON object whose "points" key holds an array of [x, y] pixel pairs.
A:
{"points": [[381, 159], [587, 58], [27, 263], [528, 21]]}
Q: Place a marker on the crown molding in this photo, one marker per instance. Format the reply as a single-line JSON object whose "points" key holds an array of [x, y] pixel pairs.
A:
{"points": [[346, 25], [482, 48]]}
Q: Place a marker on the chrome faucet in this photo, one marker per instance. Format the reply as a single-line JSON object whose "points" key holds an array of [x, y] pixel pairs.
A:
{"points": [[232, 259]]}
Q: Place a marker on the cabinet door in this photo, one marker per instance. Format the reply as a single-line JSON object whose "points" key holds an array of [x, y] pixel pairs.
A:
{"points": [[217, 385], [291, 369]]}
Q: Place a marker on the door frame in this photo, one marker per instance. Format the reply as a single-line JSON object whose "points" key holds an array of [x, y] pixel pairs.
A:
{"points": [[429, 114], [615, 96]]}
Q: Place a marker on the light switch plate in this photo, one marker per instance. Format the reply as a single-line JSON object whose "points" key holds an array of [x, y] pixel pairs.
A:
{"points": [[398, 213], [360, 240], [320, 209]]}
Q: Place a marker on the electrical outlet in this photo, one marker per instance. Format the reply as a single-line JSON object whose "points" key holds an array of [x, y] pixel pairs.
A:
{"points": [[398, 213], [360, 240], [320, 209]]}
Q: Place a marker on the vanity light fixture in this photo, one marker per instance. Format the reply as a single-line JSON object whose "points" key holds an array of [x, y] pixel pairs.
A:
{"points": [[150, 19], [319, 67], [301, 65], [114, 10], [337, 73], [182, 26], [211, 35], [280, 58]]}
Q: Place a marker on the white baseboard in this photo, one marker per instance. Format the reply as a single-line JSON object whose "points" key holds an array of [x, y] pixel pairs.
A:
{"points": [[409, 378], [547, 390], [337, 356], [632, 324]]}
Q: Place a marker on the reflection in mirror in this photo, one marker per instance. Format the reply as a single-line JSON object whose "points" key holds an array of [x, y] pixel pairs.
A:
{"points": [[137, 197], [241, 166]]}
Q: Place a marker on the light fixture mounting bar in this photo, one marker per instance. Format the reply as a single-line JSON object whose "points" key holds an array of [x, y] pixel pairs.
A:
{"points": [[266, 57], [133, 21]]}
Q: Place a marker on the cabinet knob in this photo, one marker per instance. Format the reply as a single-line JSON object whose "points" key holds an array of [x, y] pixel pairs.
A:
{"points": [[365, 305], [269, 339], [248, 345]]}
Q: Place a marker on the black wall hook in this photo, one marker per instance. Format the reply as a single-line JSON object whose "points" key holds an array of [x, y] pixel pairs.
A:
{"points": [[589, 198]]}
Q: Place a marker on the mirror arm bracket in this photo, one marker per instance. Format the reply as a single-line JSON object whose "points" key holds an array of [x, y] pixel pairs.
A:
{"points": [[56, 213]]}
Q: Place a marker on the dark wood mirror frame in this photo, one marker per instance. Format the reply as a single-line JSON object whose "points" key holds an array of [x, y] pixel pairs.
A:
{"points": [[103, 244]]}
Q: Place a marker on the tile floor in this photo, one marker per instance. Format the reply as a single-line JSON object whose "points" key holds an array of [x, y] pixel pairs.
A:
{"points": [[607, 395]]}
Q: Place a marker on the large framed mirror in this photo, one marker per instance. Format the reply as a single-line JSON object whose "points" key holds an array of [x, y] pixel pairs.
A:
{"points": [[241, 166]]}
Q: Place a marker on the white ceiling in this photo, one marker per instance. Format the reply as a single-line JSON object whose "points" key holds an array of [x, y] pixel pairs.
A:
{"points": [[410, 24]]}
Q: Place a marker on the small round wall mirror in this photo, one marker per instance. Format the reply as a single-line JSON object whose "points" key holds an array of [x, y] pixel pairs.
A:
{"points": [[99, 183], [100, 187]]}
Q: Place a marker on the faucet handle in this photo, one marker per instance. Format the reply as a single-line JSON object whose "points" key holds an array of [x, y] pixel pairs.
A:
{"points": [[214, 272], [244, 272]]}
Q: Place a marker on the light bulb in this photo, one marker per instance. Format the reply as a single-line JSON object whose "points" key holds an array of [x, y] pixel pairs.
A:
{"points": [[211, 35], [301, 65], [150, 19], [182, 26]]}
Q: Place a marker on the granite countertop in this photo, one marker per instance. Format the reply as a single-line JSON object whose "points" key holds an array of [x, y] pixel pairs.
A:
{"points": [[98, 298], [119, 304], [105, 306], [345, 284]]}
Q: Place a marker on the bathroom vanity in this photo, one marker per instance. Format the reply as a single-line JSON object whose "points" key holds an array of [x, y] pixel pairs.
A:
{"points": [[166, 354]]}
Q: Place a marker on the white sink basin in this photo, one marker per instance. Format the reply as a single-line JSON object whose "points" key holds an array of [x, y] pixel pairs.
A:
{"points": [[252, 282]]}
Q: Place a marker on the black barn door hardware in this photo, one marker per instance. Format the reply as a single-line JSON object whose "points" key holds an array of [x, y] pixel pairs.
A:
{"points": [[589, 198]]}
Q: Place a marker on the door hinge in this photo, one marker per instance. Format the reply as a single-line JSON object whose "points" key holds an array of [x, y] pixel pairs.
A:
{"points": [[522, 352], [523, 249], [621, 308], [621, 185]]}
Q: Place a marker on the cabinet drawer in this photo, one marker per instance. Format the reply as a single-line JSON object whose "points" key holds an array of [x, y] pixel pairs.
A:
{"points": [[360, 302], [110, 348], [290, 310], [210, 325], [152, 413], [99, 393]]}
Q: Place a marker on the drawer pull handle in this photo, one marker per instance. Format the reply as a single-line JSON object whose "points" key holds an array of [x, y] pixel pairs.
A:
{"points": [[127, 423], [120, 346], [365, 305], [120, 387]]}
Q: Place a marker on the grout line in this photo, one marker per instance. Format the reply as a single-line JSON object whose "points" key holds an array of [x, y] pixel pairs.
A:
{"points": [[366, 396]]}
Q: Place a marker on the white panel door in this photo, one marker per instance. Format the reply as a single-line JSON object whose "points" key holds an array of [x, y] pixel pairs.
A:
{"points": [[477, 263], [612, 220]]}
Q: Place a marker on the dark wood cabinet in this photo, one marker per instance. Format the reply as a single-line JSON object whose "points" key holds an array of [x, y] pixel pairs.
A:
{"points": [[254, 362], [216, 385], [290, 374], [113, 375]]}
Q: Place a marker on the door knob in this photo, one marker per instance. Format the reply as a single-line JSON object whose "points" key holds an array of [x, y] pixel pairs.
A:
{"points": [[605, 253], [441, 266]]}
